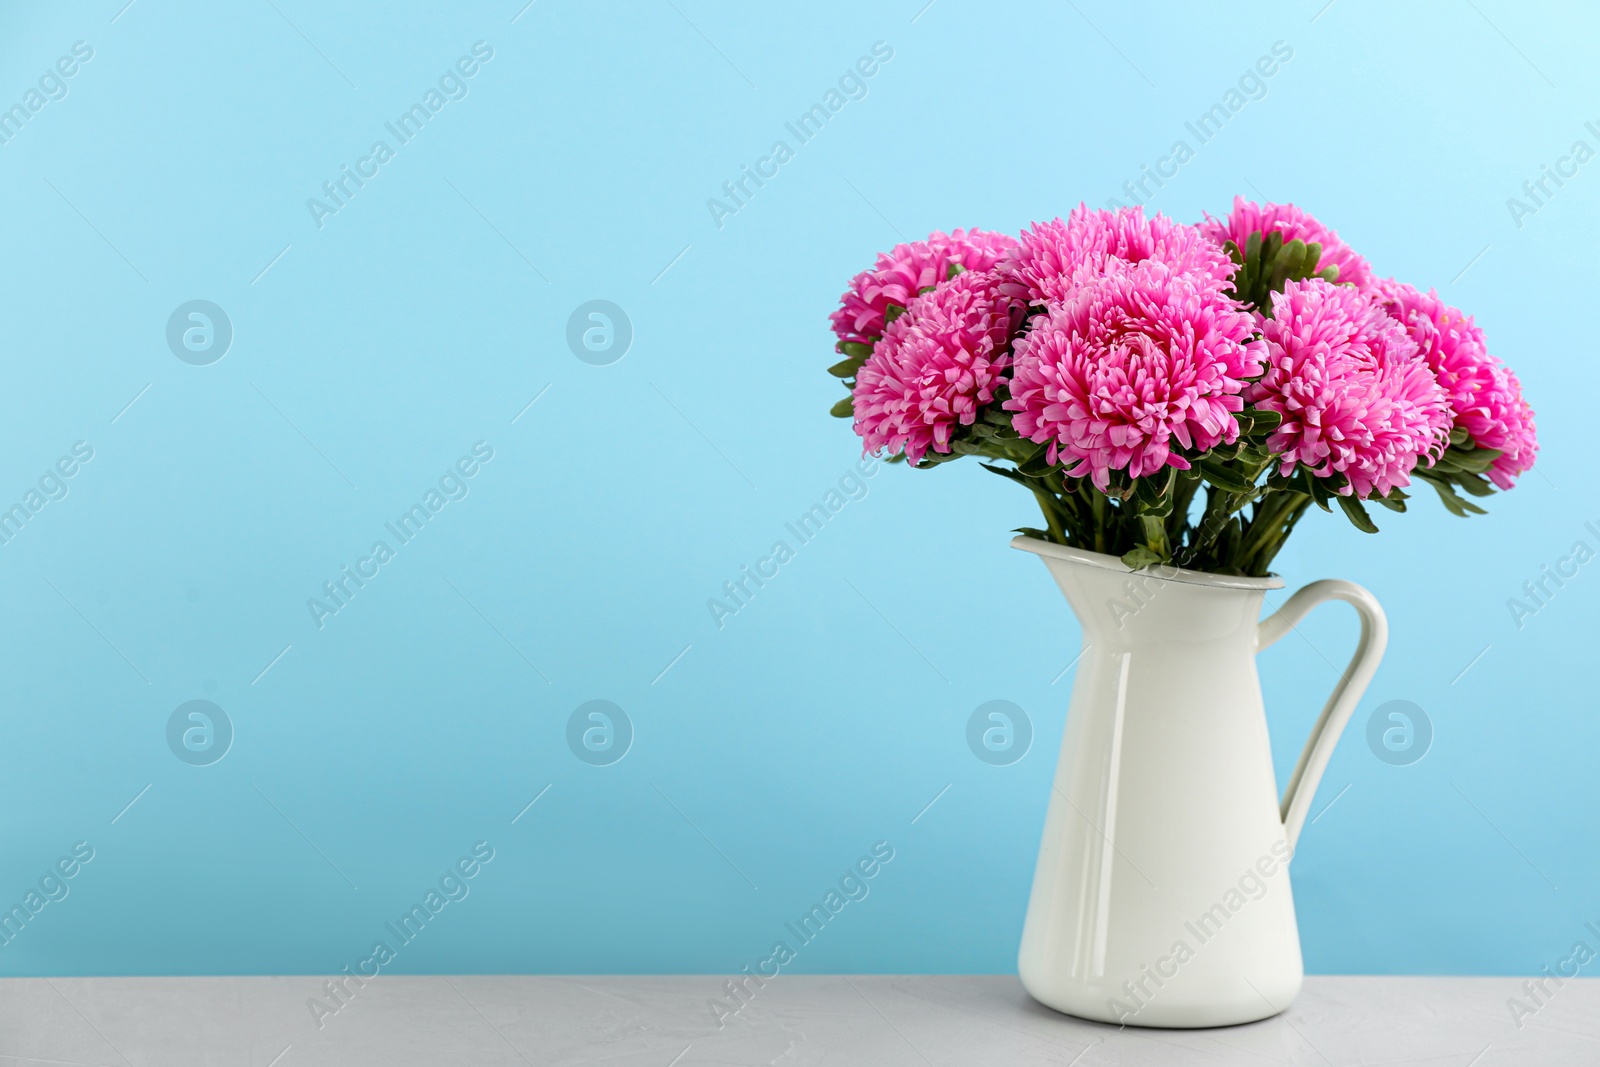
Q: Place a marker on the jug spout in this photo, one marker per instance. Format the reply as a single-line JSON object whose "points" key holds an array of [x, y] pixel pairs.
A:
{"points": [[1120, 606]]}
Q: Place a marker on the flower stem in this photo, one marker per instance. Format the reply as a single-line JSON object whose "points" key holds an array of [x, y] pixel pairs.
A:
{"points": [[1269, 530], [1047, 505], [1220, 504], [1155, 535]]}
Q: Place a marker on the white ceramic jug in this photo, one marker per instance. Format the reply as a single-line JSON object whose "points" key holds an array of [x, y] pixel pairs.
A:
{"points": [[1162, 897]]}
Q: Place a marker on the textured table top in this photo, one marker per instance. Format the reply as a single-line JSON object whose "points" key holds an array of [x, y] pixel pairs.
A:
{"points": [[877, 1020]]}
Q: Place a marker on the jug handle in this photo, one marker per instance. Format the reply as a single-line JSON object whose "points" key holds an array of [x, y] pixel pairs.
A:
{"points": [[1346, 694]]}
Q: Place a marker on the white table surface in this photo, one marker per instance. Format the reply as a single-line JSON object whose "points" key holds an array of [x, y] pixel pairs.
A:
{"points": [[876, 1020]]}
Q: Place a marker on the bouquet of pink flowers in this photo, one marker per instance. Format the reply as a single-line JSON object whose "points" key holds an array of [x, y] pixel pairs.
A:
{"points": [[1115, 365]]}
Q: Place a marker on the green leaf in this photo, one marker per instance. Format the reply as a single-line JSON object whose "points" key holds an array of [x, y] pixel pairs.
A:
{"points": [[846, 368], [1460, 438], [1135, 558], [892, 312], [1038, 464], [1454, 503], [1317, 487], [1157, 509], [1267, 263], [954, 269], [1395, 501], [854, 349], [1357, 514], [1224, 477], [844, 409], [1258, 422], [1007, 472], [1475, 461], [1285, 262], [1153, 494]]}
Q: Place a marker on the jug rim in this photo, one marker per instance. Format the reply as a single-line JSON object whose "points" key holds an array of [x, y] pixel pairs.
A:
{"points": [[1159, 572]]}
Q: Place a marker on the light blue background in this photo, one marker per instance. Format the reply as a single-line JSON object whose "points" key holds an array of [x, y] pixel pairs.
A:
{"points": [[828, 713]]}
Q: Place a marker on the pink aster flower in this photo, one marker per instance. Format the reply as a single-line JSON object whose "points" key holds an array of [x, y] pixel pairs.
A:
{"points": [[904, 271], [1249, 217], [1053, 257], [936, 366], [1485, 396], [1356, 397], [1130, 367]]}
